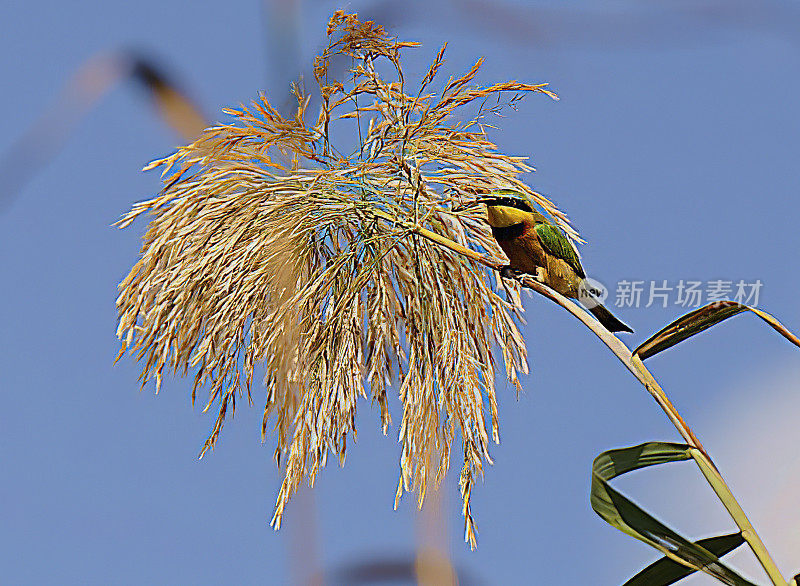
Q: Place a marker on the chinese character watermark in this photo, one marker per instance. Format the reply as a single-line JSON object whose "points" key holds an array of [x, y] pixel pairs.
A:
{"points": [[629, 293], [685, 292]]}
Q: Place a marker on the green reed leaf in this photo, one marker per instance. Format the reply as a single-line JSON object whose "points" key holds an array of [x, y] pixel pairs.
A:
{"points": [[666, 571], [625, 515], [701, 319]]}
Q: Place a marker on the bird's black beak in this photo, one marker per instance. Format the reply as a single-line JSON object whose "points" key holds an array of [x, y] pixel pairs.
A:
{"points": [[469, 204]]}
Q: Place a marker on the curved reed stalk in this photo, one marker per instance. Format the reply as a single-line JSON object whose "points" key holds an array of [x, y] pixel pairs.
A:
{"points": [[635, 366]]}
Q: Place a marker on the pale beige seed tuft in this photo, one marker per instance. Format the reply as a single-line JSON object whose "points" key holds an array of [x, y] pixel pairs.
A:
{"points": [[269, 247]]}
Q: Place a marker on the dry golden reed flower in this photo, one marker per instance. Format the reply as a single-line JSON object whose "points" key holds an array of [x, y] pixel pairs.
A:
{"points": [[270, 246]]}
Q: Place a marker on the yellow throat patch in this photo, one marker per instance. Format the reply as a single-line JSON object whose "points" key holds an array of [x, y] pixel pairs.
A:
{"points": [[503, 216]]}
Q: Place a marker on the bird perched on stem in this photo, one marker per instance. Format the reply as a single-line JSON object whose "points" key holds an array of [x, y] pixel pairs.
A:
{"points": [[537, 246]]}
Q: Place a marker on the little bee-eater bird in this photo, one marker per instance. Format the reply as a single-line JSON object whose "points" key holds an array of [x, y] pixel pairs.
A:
{"points": [[537, 246]]}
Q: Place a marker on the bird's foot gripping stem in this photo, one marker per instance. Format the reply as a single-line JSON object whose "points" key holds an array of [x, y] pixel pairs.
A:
{"points": [[508, 273]]}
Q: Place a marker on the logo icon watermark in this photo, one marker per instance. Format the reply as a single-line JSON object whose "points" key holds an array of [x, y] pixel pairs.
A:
{"points": [[591, 293]]}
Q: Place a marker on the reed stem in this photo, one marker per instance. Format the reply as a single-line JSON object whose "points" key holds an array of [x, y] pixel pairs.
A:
{"points": [[634, 364]]}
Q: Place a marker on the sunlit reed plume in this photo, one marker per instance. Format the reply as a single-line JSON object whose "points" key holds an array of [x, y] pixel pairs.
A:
{"points": [[271, 246]]}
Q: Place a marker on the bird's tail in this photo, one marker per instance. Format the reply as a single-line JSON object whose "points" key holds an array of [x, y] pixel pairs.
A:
{"points": [[605, 317]]}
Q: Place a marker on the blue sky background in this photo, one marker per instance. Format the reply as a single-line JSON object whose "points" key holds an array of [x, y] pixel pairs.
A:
{"points": [[674, 151]]}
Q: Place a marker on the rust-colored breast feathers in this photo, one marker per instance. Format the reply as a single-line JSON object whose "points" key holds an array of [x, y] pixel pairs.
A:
{"points": [[521, 245]]}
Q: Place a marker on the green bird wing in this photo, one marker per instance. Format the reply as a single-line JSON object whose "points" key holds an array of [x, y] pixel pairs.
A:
{"points": [[555, 242]]}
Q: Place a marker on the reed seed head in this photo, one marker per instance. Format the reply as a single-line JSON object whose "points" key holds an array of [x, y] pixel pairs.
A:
{"points": [[269, 247]]}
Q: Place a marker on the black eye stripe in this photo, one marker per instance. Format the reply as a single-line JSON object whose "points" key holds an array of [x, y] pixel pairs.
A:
{"points": [[513, 202]]}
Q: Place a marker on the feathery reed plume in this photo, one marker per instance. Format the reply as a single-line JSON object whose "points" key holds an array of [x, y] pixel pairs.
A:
{"points": [[269, 246]]}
